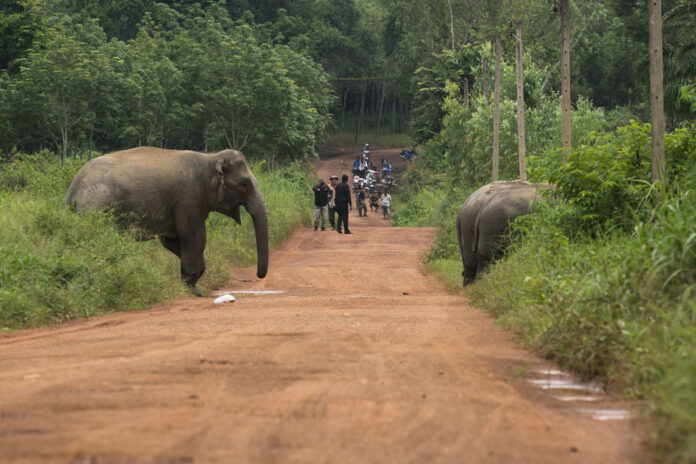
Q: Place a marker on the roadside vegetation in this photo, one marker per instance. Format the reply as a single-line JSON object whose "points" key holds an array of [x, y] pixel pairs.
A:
{"points": [[602, 277], [56, 265]]}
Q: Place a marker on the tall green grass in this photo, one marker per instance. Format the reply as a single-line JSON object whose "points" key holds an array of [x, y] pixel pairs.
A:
{"points": [[56, 265], [621, 306]]}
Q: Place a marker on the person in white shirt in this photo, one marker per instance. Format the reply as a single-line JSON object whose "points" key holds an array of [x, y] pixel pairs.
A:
{"points": [[385, 200]]}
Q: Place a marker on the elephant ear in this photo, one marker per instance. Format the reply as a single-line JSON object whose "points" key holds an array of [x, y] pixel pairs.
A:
{"points": [[220, 168]]}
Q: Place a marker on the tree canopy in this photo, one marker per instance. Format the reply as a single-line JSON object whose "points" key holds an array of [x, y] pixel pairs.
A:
{"points": [[274, 77]]}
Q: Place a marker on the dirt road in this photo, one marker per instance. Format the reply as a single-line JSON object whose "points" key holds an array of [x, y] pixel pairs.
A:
{"points": [[361, 359]]}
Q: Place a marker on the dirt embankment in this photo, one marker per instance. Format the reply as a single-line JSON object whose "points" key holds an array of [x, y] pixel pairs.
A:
{"points": [[361, 358]]}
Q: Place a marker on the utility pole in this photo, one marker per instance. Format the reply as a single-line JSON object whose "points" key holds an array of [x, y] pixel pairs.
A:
{"points": [[565, 86], [496, 109], [657, 105], [521, 146]]}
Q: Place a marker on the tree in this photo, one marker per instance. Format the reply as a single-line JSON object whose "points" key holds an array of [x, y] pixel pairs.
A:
{"points": [[20, 23], [680, 56], [55, 79]]}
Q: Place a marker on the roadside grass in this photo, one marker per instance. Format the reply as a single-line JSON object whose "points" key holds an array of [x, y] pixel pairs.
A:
{"points": [[448, 271], [56, 265], [620, 307]]}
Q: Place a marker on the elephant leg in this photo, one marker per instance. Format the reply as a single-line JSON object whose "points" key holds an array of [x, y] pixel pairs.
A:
{"points": [[172, 244], [192, 263], [484, 259], [469, 275]]}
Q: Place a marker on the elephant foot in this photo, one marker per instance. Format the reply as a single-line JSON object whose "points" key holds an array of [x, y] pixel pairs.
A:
{"points": [[469, 276], [195, 290]]}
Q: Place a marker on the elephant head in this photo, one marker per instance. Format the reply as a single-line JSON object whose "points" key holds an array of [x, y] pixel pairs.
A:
{"points": [[234, 185]]}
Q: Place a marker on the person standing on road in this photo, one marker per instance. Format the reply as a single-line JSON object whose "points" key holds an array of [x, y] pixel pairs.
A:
{"points": [[321, 202], [385, 200], [343, 201], [360, 201], [333, 182]]}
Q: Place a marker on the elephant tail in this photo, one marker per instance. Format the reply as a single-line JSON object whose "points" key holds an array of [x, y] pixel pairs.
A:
{"points": [[475, 241], [459, 235]]}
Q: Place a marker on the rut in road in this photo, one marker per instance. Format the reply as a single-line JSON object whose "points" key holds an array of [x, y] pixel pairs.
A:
{"points": [[361, 358]]}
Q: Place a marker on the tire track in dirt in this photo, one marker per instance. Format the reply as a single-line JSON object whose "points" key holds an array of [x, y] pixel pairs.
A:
{"points": [[341, 367]]}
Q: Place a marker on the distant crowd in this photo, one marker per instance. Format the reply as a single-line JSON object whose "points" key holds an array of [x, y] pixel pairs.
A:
{"points": [[334, 200]]}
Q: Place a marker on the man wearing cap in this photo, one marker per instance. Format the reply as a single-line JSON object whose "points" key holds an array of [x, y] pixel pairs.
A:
{"points": [[321, 201], [343, 201], [333, 182]]}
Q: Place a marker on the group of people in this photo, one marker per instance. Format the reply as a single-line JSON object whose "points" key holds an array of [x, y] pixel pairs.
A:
{"points": [[360, 167], [334, 199], [376, 201]]}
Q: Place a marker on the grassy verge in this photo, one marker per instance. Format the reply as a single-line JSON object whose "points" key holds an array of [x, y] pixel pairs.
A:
{"points": [[619, 307], [56, 265], [615, 303], [448, 271]]}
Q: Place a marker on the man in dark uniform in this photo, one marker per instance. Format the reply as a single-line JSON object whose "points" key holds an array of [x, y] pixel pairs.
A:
{"points": [[343, 201]]}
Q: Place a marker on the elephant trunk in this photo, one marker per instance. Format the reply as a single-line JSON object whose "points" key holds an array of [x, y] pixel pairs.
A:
{"points": [[257, 209]]}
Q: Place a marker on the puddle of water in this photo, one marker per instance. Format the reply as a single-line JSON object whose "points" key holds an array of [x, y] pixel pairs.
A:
{"points": [[563, 387], [570, 397], [565, 384], [606, 414], [550, 373]]}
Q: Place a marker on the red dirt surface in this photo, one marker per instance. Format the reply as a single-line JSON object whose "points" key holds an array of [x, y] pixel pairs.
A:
{"points": [[362, 359]]}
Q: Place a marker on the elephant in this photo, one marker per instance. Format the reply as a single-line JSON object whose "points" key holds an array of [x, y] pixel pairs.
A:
{"points": [[169, 194], [485, 217]]}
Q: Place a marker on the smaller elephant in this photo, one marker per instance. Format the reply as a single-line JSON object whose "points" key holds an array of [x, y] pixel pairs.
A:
{"points": [[486, 216], [169, 194]]}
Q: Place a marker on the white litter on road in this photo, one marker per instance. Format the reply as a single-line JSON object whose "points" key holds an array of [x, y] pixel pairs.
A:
{"points": [[225, 299]]}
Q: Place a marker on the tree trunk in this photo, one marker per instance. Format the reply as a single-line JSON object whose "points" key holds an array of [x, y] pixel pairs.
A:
{"points": [[521, 146], [486, 92], [343, 107], [657, 106], [64, 150], [496, 109], [466, 92], [373, 100], [393, 118], [91, 140], [565, 87], [381, 106], [361, 112], [449, 2]]}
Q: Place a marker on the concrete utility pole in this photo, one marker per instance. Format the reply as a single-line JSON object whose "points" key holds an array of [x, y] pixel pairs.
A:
{"points": [[565, 86], [521, 146], [657, 103]]}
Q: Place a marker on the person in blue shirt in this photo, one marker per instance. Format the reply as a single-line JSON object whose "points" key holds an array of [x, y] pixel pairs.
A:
{"points": [[356, 166]]}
